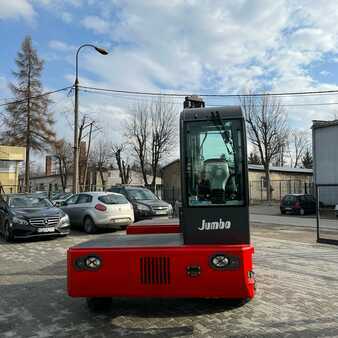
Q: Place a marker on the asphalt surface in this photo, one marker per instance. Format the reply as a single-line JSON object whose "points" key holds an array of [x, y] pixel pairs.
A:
{"points": [[297, 294]]}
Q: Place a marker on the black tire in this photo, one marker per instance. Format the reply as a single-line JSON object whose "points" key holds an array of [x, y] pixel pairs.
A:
{"points": [[99, 304], [89, 225], [8, 234], [283, 212]]}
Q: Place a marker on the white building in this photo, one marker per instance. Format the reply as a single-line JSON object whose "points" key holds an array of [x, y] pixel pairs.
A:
{"points": [[325, 159]]}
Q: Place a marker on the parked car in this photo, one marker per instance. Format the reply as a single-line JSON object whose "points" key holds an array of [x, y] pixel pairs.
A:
{"points": [[94, 210], [145, 203], [29, 215], [336, 209], [298, 203], [58, 198]]}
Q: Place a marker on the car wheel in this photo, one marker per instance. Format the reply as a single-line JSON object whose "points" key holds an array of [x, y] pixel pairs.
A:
{"points": [[99, 304], [301, 212], [89, 225], [283, 212], [8, 234]]}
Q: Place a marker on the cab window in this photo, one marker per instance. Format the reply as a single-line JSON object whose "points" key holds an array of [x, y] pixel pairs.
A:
{"points": [[214, 163]]}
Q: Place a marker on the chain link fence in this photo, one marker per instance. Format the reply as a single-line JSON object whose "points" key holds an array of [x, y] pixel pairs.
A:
{"points": [[279, 188]]}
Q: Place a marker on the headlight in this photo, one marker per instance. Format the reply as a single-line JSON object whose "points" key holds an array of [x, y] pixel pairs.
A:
{"points": [[220, 261], [64, 220], [93, 262], [224, 262], [19, 220], [142, 207]]}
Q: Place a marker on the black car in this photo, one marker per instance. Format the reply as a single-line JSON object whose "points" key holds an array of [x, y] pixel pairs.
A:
{"points": [[298, 204], [28, 215], [146, 204]]}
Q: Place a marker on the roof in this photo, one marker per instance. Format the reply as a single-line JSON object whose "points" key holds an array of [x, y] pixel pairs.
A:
{"points": [[323, 124], [191, 114], [259, 167]]}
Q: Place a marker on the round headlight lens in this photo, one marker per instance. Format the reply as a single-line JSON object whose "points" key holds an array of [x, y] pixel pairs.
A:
{"points": [[93, 262], [220, 261]]}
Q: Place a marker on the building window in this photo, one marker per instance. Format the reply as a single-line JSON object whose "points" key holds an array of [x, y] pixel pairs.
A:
{"points": [[7, 166]]}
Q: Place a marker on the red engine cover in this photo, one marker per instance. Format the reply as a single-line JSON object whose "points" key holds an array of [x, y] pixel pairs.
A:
{"points": [[161, 271]]}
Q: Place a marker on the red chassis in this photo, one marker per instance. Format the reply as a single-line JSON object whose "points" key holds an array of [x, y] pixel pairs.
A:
{"points": [[159, 265]]}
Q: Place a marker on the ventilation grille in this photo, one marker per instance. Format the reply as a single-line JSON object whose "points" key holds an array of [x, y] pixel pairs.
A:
{"points": [[155, 270]]}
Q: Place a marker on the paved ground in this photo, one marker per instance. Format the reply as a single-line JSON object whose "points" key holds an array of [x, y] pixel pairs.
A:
{"points": [[297, 295]]}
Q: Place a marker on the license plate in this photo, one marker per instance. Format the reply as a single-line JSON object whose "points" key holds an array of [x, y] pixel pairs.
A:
{"points": [[51, 229], [121, 220], [288, 209], [161, 212]]}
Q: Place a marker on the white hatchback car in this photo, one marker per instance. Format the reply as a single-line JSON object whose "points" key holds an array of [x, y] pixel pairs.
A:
{"points": [[94, 210]]}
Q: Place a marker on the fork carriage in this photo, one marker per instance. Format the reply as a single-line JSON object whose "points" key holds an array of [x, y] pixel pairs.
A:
{"points": [[207, 253]]}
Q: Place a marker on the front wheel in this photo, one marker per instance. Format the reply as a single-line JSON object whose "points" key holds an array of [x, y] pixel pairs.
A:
{"points": [[8, 234], [89, 225], [99, 304]]}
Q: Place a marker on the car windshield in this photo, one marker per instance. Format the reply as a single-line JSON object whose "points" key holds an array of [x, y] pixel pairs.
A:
{"points": [[141, 194], [29, 202], [61, 195], [113, 199]]}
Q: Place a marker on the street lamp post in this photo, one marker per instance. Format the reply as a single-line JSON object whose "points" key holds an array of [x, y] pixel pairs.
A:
{"points": [[76, 116]]}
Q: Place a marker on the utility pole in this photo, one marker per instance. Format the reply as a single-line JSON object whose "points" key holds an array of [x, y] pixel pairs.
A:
{"points": [[76, 137], [76, 115], [87, 156]]}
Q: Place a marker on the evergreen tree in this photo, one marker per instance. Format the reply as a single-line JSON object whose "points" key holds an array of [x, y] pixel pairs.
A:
{"points": [[254, 158], [307, 160], [28, 121]]}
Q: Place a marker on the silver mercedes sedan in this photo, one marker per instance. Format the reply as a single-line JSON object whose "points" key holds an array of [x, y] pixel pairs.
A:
{"points": [[93, 210]]}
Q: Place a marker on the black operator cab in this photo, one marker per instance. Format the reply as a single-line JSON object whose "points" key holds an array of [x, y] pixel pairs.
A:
{"points": [[214, 176]]}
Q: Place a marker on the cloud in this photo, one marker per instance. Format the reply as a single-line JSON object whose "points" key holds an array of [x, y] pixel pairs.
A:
{"points": [[219, 46], [61, 46], [16, 9], [96, 24], [66, 17]]}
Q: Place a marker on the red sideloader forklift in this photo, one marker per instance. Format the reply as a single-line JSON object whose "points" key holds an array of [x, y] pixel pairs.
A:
{"points": [[207, 254]]}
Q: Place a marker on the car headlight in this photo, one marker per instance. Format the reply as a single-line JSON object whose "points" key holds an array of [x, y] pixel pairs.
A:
{"points": [[19, 220], [142, 207], [64, 220]]}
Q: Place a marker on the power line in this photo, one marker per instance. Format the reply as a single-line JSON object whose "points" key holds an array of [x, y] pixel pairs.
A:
{"points": [[211, 95], [35, 97], [144, 98]]}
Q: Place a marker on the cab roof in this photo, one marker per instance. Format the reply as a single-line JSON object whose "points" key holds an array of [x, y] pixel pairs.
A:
{"points": [[191, 114]]}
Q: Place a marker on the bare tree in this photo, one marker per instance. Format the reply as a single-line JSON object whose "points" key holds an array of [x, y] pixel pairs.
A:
{"points": [[151, 133], [298, 142], [163, 131], [137, 134], [124, 167], [267, 129], [64, 152], [100, 159]]}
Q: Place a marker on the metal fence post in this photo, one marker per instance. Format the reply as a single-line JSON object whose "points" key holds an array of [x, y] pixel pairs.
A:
{"points": [[317, 211]]}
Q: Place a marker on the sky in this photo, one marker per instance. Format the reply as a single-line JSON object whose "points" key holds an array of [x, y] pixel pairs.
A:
{"points": [[184, 46]]}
